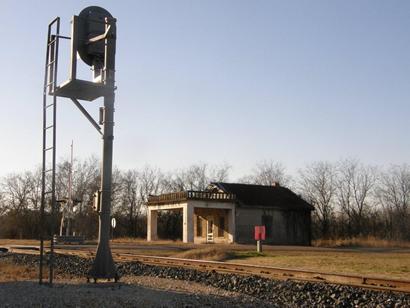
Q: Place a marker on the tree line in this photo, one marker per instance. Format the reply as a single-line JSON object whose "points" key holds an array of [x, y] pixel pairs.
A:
{"points": [[350, 198]]}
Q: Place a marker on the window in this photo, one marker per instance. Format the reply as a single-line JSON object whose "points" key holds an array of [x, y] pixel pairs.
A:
{"points": [[267, 222], [221, 226], [198, 226]]}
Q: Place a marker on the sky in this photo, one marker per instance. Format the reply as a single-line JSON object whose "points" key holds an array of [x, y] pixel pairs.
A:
{"points": [[235, 82]]}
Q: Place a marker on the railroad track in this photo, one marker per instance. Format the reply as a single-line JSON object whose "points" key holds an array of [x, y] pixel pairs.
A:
{"points": [[272, 272], [374, 283]]}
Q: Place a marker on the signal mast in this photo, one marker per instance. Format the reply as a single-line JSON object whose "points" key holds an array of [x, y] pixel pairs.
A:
{"points": [[93, 39]]}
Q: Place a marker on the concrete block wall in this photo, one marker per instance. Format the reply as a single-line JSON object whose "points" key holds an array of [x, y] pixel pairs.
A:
{"points": [[288, 228]]}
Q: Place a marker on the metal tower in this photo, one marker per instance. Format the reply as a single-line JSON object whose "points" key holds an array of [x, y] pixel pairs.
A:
{"points": [[93, 38]]}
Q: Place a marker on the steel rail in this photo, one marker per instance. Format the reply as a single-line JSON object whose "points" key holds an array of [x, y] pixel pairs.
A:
{"points": [[273, 272], [362, 281]]}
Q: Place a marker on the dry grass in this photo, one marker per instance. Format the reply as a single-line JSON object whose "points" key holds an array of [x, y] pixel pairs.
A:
{"points": [[19, 242], [143, 241], [13, 272], [364, 242], [382, 264], [148, 252], [10, 271], [207, 253]]}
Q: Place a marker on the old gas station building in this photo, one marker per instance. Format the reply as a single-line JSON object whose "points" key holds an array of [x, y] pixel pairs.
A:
{"points": [[227, 213]]}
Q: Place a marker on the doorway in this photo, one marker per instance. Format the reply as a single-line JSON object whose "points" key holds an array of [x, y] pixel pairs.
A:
{"points": [[210, 230]]}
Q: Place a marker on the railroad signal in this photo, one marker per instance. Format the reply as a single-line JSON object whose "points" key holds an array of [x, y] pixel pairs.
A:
{"points": [[93, 38]]}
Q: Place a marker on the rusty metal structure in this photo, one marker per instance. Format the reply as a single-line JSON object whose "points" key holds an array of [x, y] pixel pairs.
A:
{"points": [[93, 39]]}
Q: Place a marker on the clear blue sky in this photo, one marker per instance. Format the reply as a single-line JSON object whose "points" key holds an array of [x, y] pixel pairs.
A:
{"points": [[223, 81]]}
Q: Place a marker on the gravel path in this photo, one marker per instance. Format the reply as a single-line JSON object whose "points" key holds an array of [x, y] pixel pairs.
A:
{"points": [[270, 292], [64, 294]]}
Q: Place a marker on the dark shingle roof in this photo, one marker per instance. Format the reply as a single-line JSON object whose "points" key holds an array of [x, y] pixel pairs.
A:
{"points": [[260, 195]]}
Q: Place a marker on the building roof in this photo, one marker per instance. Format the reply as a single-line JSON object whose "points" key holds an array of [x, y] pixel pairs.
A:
{"points": [[261, 195]]}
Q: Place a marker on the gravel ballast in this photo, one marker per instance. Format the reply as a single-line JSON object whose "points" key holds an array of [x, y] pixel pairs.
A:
{"points": [[272, 292]]}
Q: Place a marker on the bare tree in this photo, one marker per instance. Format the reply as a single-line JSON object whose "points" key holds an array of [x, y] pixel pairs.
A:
{"points": [[220, 173], [116, 188], [3, 207], [394, 195], [268, 173], [129, 199], [150, 182], [369, 202], [196, 177], [16, 189], [34, 197], [345, 194], [86, 180], [364, 183], [318, 186], [356, 184]]}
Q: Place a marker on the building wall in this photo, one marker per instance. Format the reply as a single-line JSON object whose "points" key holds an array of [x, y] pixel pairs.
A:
{"points": [[201, 215], [191, 210], [287, 227], [214, 209]]}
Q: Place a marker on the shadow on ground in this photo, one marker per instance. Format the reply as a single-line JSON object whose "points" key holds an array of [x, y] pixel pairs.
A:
{"points": [[30, 293]]}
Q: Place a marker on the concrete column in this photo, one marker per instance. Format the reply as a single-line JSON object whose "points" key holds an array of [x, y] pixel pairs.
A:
{"points": [[152, 225], [188, 224], [231, 226]]}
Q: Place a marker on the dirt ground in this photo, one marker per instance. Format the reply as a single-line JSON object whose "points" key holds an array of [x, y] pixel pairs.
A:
{"points": [[19, 288], [382, 262]]}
